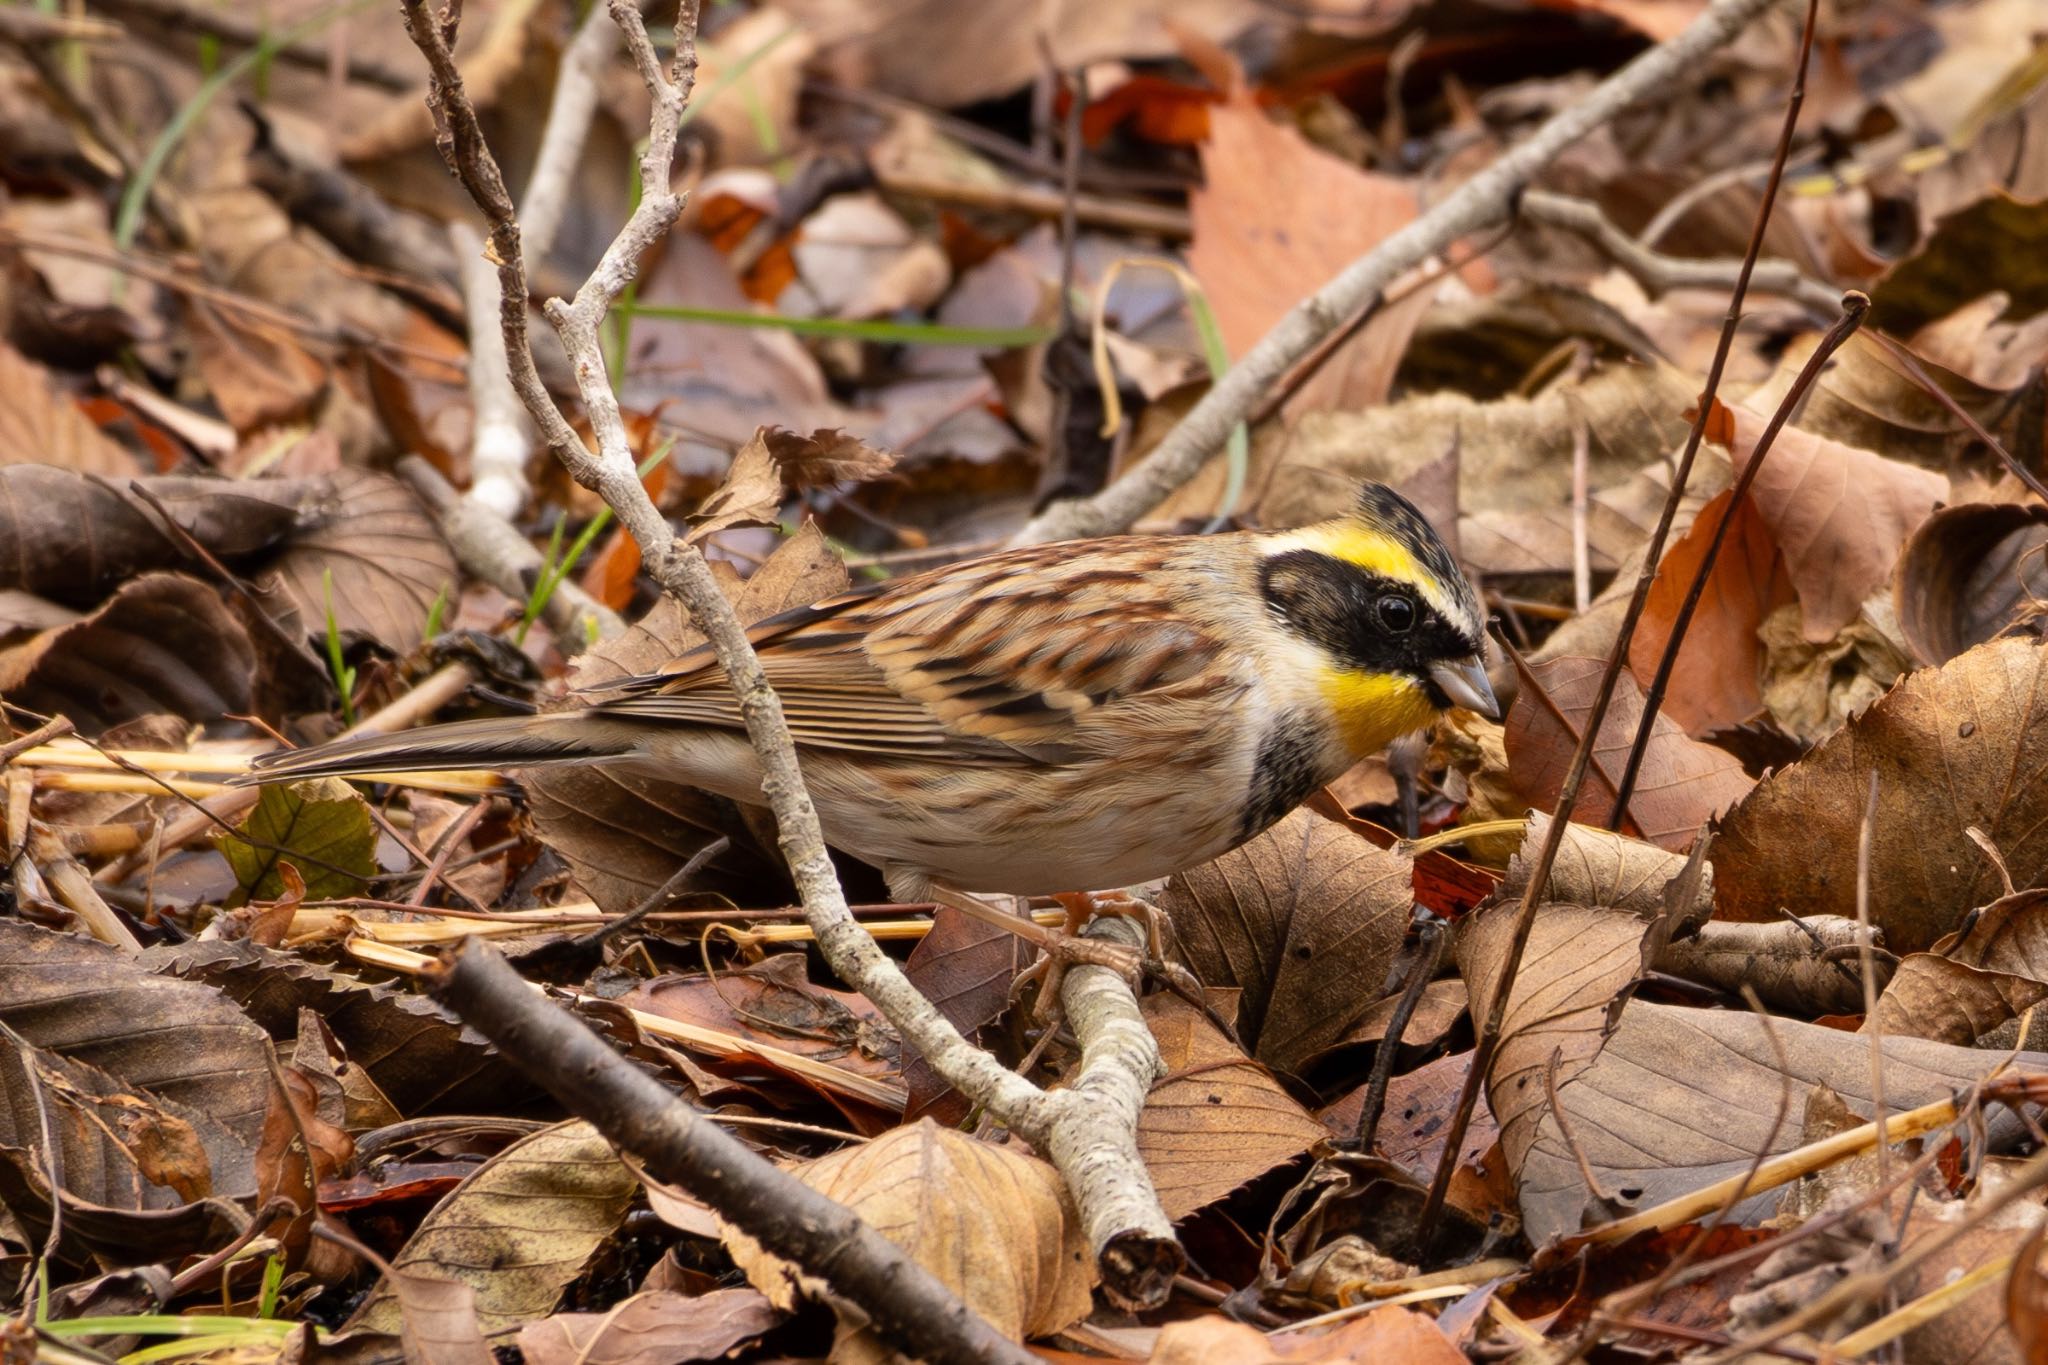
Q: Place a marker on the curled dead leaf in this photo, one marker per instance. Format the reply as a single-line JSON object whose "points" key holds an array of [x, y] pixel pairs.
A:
{"points": [[515, 1232], [162, 643], [1970, 573], [992, 1224], [1953, 747]]}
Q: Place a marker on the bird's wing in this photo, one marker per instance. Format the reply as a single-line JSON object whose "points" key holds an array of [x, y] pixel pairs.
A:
{"points": [[1003, 658]]}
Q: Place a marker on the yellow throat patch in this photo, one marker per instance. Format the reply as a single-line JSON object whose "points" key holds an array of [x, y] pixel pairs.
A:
{"points": [[1373, 709]]}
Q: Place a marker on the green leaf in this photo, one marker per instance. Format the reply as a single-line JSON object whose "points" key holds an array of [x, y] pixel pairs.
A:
{"points": [[322, 827]]}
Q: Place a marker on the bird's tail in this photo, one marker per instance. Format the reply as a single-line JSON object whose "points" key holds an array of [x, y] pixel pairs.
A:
{"points": [[504, 742]]}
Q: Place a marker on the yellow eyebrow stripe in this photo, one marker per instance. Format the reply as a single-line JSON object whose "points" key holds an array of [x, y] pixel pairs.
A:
{"points": [[1371, 550]]}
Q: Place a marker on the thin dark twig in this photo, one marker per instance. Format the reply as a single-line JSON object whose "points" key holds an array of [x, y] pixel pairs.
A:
{"points": [[1429, 951], [1855, 307], [54, 728], [563, 960], [1564, 1130], [185, 542], [1539, 874], [1918, 373], [451, 839]]}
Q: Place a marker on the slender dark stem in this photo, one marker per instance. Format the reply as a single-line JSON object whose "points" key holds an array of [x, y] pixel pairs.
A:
{"points": [[1855, 307], [1429, 951], [1918, 373], [908, 1306], [1568, 797]]}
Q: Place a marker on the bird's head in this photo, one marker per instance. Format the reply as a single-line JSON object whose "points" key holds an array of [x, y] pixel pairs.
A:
{"points": [[1378, 595]]}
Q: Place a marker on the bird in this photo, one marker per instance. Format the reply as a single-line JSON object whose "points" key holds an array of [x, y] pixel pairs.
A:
{"points": [[1058, 718]]}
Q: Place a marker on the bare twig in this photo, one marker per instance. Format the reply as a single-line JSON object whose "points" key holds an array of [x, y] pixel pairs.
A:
{"points": [[1485, 199], [1919, 375], [1539, 873], [1871, 1022], [906, 1303], [1658, 273], [1855, 307], [1429, 951], [567, 128], [42, 734], [491, 548], [1087, 1129]]}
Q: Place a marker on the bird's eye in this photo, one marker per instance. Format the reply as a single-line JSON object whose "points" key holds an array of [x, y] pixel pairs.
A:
{"points": [[1397, 613]]}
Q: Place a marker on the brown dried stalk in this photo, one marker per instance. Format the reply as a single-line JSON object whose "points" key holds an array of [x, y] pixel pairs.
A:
{"points": [[1575, 776]]}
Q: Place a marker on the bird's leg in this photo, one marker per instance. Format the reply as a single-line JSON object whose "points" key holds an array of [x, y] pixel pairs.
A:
{"points": [[1059, 949]]}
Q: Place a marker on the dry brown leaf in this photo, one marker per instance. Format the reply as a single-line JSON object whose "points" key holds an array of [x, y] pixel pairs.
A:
{"points": [[1839, 515], [1680, 1098], [1948, 269], [1868, 398], [516, 1232], [1218, 1120], [1714, 682], [1385, 1334], [383, 554], [624, 836], [1957, 746], [965, 968], [1276, 217], [256, 371], [773, 1002], [660, 1327], [826, 456], [1599, 867], [1938, 998], [163, 643], [1306, 920], [749, 496], [1436, 1013], [40, 425], [1577, 971], [1682, 784], [1970, 573], [2011, 936], [992, 1224]]}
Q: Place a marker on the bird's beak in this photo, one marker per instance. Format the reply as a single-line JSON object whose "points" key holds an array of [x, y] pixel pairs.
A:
{"points": [[1464, 682]]}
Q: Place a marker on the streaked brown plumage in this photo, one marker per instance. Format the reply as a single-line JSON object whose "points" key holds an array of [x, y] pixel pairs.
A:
{"points": [[1062, 717]]}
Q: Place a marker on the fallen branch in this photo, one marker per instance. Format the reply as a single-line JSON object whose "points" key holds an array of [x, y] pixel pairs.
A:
{"points": [[1487, 198], [1658, 273], [490, 548], [905, 1302], [1087, 1129]]}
